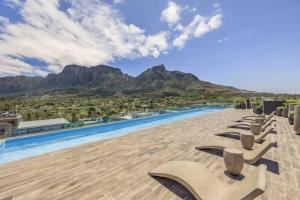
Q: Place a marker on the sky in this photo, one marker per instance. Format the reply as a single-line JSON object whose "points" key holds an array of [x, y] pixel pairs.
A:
{"points": [[253, 45]]}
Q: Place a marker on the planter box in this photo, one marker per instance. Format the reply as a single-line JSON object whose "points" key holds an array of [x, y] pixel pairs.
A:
{"points": [[297, 120], [285, 112], [291, 117], [279, 111]]}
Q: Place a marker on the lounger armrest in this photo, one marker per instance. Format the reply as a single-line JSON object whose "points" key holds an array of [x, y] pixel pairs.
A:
{"points": [[270, 117], [266, 125], [262, 149]]}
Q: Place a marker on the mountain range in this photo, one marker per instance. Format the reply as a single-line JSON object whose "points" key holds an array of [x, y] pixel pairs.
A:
{"points": [[104, 80]]}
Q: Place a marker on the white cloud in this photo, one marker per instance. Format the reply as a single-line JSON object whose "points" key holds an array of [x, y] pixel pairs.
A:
{"points": [[3, 22], [118, 1], [226, 39], [193, 9], [179, 27], [190, 9], [97, 34], [12, 66], [90, 36], [154, 44], [215, 21], [197, 28], [171, 14], [13, 3], [216, 5]]}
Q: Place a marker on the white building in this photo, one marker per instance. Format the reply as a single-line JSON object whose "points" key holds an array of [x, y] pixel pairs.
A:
{"points": [[29, 127]]}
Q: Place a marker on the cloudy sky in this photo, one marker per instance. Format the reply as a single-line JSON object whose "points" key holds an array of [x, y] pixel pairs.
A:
{"points": [[247, 44]]}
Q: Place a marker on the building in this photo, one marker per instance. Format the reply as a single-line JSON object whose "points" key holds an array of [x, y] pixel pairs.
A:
{"points": [[13, 119], [89, 121], [29, 127], [134, 115], [12, 125], [126, 117], [7, 122]]}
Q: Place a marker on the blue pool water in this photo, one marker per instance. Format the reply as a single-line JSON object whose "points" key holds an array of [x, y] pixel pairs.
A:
{"points": [[20, 148]]}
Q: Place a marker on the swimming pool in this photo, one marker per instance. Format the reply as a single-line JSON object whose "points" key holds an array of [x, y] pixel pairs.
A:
{"points": [[24, 147]]}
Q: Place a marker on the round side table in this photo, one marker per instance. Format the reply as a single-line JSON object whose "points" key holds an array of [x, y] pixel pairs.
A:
{"points": [[259, 120], [247, 140], [255, 128], [262, 116], [234, 161]]}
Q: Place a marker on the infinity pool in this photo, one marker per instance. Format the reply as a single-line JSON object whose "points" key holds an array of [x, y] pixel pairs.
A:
{"points": [[25, 147]]}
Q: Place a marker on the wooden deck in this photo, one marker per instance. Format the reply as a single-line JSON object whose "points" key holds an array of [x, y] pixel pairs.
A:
{"points": [[117, 168]]}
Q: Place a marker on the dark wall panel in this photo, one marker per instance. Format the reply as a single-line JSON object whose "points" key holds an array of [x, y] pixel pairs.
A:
{"points": [[270, 106]]}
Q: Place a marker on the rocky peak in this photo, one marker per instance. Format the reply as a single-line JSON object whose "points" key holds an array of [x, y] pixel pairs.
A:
{"points": [[158, 68]]}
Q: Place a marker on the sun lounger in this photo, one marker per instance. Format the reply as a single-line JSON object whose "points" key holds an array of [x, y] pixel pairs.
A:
{"points": [[246, 126], [248, 121], [249, 118], [204, 185], [250, 156], [254, 116], [245, 120], [257, 138]]}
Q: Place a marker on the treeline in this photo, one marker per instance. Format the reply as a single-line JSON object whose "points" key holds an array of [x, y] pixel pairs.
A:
{"points": [[75, 107]]}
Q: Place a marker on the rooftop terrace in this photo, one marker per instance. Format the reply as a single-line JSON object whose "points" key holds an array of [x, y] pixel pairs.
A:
{"points": [[117, 168]]}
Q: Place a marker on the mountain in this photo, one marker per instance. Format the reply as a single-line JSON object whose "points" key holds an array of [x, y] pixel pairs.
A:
{"points": [[158, 78], [18, 84], [100, 76], [105, 80]]}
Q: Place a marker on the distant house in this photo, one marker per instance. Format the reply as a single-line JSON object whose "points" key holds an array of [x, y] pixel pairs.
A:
{"points": [[29, 127]]}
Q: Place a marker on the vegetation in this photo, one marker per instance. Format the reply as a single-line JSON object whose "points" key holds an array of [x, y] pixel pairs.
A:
{"points": [[291, 101], [240, 103], [279, 110], [77, 107]]}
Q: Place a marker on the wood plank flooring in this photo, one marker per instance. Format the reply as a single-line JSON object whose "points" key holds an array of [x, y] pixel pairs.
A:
{"points": [[116, 169]]}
